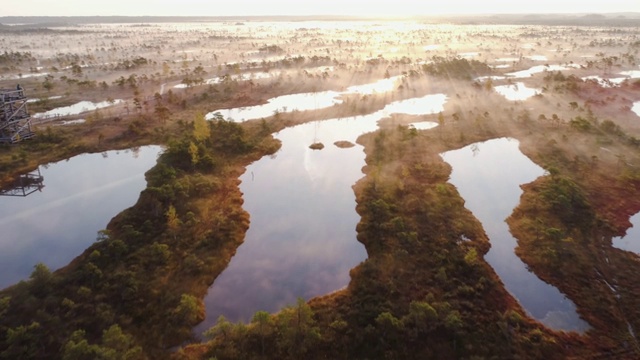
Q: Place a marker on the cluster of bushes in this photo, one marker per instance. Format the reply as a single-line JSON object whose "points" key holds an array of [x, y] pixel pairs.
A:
{"points": [[456, 68], [15, 57]]}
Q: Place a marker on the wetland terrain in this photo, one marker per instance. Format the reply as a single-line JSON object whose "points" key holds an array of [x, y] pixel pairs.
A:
{"points": [[322, 188]]}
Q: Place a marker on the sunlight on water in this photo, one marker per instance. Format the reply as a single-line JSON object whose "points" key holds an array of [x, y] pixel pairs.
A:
{"points": [[634, 74], [537, 69], [508, 59], [76, 109], [492, 77], [44, 99], [517, 91], [607, 83], [429, 104], [302, 102], [285, 103], [23, 76], [239, 77], [380, 86], [424, 125]]}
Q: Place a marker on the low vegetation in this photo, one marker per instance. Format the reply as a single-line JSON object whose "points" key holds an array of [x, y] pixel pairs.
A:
{"points": [[425, 290]]}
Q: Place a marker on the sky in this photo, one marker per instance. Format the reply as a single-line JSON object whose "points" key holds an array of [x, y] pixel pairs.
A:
{"points": [[300, 7]]}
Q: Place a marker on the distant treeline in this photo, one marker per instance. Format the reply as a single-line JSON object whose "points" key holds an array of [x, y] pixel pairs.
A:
{"points": [[611, 19]]}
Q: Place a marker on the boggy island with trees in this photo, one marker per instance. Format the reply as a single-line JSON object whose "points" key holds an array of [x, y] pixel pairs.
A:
{"points": [[224, 96]]}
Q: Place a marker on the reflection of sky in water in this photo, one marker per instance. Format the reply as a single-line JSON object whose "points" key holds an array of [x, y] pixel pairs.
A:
{"points": [[424, 125], [537, 57], [634, 74], [80, 196], [239, 77], [302, 238], [636, 108], [304, 101], [609, 82], [380, 86], [631, 240], [44, 99], [301, 102], [77, 108], [615, 81], [492, 194], [429, 104], [517, 91], [536, 70], [508, 59]]}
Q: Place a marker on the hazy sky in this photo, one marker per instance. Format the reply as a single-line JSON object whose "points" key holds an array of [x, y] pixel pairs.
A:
{"points": [[301, 7]]}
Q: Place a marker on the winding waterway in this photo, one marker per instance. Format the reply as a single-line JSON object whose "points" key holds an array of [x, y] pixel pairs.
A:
{"points": [[302, 239], [488, 176], [58, 222]]}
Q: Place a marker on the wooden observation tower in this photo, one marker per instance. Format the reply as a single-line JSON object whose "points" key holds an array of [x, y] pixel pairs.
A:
{"points": [[15, 121]]}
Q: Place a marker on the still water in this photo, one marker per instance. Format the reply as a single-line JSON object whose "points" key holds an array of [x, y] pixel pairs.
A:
{"points": [[80, 196], [538, 69], [302, 238], [492, 194], [517, 91], [304, 101], [631, 240], [76, 108], [285, 103]]}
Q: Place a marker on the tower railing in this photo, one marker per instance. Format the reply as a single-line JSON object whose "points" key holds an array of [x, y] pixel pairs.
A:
{"points": [[15, 121]]}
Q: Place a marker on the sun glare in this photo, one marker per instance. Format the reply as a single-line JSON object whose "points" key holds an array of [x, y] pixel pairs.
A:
{"points": [[399, 177]]}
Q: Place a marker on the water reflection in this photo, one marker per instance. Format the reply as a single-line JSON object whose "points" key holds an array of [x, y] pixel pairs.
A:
{"points": [[636, 108], [631, 240], [633, 74], [428, 104], [44, 99], [77, 108], [24, 185], [380, 86], [478, 173], [300, 102], [538, 69], [304, 101], [608, 82], [508, 59], [302, 238], [56, 224], [238, 77], [424, 125], [537, 57], [517, 91]]}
